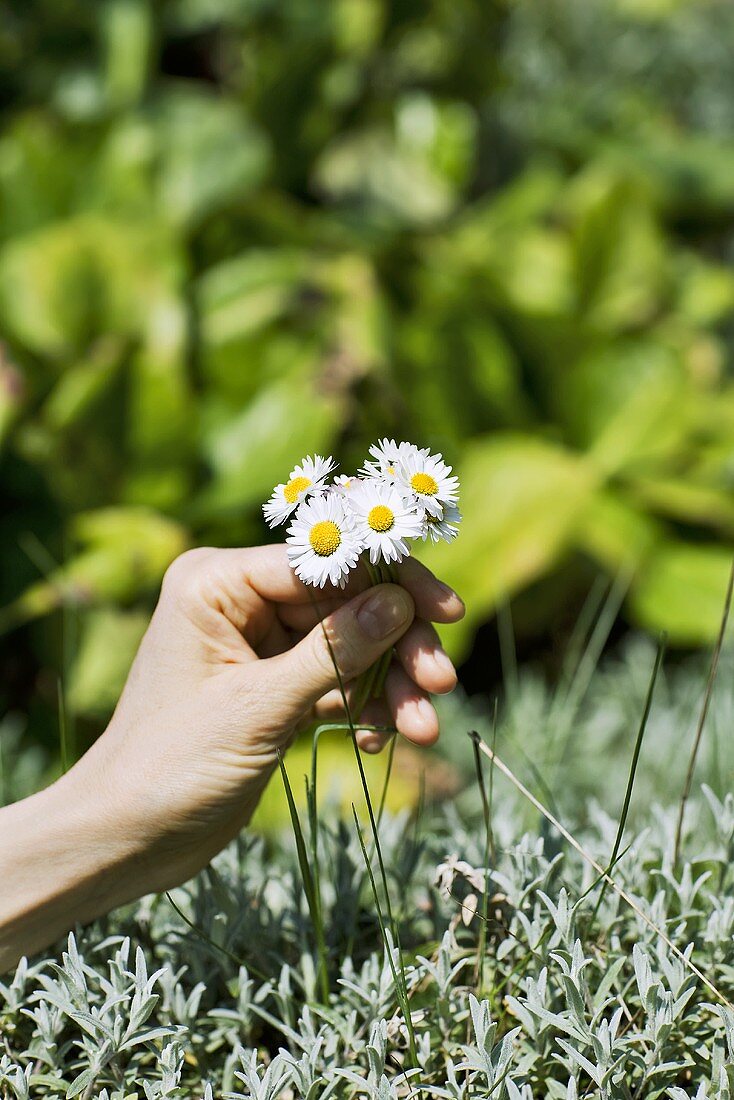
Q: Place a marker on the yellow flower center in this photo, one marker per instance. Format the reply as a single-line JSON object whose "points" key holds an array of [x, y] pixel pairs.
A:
{"points": [[391, 469], [380, 518], [294, 487], [325, 538], [425, 484]]}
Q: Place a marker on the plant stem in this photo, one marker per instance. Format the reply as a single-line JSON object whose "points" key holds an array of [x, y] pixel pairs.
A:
{"points": [[312, 899], [704, 713], [632, 771]]}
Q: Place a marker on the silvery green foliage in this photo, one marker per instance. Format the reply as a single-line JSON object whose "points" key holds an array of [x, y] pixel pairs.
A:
{"points": [[572, 1004], [141, 1006]]}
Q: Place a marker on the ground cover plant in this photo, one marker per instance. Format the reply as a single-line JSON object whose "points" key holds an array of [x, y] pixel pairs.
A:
{"points": [[522, 982]]}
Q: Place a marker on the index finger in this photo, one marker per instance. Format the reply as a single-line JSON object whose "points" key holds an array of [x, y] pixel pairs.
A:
{"points": [[434, 600], [266, 570]]}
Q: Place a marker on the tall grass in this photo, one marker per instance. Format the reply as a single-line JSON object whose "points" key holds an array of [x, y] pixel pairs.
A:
{"points": [[632, 772], [713, 669]]}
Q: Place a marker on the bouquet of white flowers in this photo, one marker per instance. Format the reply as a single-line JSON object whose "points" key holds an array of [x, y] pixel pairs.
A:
{"points": [[402, 492]]}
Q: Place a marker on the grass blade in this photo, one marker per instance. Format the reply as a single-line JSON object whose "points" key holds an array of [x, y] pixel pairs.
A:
{"points": [[388, 774], [63, 728], [570, 839], [309, 887], [508, 650], [633, 769], [370, 811], [398, 976], [702, 718], [566, 703], [490, 850]]}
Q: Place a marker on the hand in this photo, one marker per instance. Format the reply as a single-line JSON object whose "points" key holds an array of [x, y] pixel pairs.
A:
{"points": [[234, 662]]}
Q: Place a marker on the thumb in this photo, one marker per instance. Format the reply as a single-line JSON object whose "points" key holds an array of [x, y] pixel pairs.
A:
{"points": [[354, 637]]}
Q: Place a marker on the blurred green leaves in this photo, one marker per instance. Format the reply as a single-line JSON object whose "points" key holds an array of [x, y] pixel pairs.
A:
{"points": [[122, 554], [522, 499], [233, 233]]}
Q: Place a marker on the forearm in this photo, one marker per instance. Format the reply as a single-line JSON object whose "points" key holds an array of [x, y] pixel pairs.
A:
{"points": [[89, 843], [61, 861]]}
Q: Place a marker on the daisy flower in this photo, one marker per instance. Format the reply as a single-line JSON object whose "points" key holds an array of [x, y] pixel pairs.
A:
{"points": [[444, 527], [387, 456], [384, 520], [322, 543], [307, 478], [429, 478], [345, 485]]}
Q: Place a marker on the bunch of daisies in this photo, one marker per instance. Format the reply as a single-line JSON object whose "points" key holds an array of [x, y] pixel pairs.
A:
{"points": [[402, 492]]}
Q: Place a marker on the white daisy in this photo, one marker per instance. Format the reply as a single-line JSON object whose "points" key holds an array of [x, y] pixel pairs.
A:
{"points": [[445, 526], [384, 520], [307, 478], [322, 543], [429, 478], [345, 485], [387, 456]]}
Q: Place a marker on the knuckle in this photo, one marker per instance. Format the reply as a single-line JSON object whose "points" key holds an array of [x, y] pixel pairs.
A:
{"points": [[183, 571], [336, 652], [324, 657], [330, 653]]}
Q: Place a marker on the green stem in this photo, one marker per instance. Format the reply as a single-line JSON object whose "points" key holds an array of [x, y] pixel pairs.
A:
{"points": [[381, 670]]}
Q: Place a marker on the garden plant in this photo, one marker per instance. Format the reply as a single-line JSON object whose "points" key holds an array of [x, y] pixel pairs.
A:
{"points": [[525, 972]]}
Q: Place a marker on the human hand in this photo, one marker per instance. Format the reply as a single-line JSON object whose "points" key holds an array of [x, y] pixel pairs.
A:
{"points": [[234, 661]]}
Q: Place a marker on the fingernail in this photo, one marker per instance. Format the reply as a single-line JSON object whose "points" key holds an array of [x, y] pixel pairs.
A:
{"points": [[426, 709], [447, 590], [384, 612], [443, 662], [372, 745]]}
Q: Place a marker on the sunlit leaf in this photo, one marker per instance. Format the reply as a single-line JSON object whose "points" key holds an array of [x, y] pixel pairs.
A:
{"points": [[630, 403], [522, 500], [124, 552], [108, 640], [251, 451], [63, 286], [681, 590], [211, 154]]}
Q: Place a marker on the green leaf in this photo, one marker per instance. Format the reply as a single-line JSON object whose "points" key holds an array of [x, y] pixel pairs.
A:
{"points": [[162, 416], [125, 553], [619, 255], [211, 154], [688, 501], [251, 452], [706, 291], [681, 590], [108, 641], [630, 402], [410, 171], [65, 285], [126, 26], [522, 501], [618, 535], [80, 1083]]}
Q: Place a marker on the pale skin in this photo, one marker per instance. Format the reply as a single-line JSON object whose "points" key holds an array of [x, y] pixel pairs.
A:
{"points": [[234, 662]]}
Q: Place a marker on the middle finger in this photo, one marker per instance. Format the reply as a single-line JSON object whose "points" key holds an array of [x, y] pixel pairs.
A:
{"points": [[424, 659]]}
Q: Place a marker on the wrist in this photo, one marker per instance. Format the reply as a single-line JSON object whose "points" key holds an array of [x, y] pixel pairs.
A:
{"points": [[61, 861]]}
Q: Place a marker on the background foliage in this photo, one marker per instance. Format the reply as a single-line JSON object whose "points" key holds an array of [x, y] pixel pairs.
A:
{"points": [[233, 231]]}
